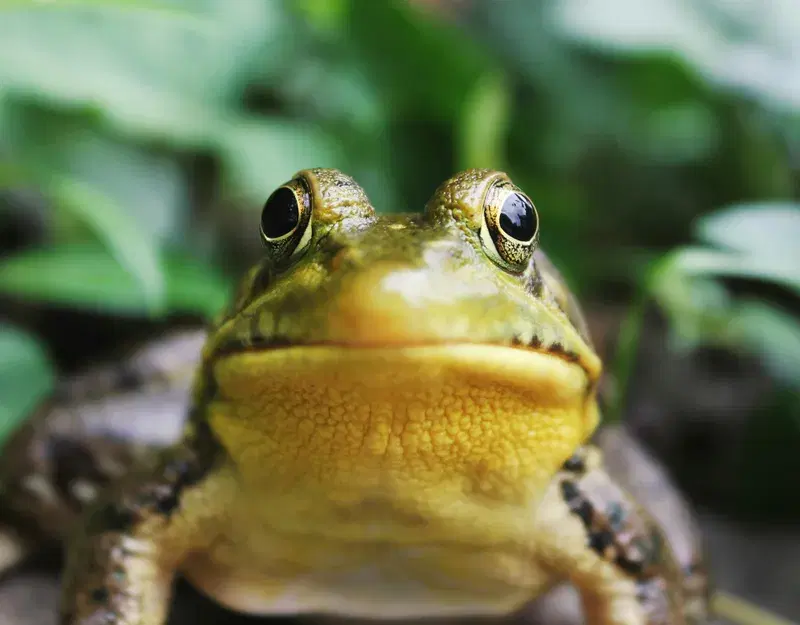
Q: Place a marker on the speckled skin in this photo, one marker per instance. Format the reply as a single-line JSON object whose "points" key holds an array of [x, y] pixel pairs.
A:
{"points": [[390, 424]]}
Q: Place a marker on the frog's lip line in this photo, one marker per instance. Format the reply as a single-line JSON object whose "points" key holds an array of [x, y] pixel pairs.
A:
{"points": [[240, 347]]}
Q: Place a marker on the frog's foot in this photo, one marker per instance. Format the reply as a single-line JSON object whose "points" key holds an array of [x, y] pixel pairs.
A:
{"points": [[122, 561], [95, 427], [594, 534]]}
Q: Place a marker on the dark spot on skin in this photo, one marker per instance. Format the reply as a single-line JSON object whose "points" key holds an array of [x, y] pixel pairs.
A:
{"points": [[536, 342], [578, 504], [556, 348], [575, 464], [167, 505], [601, 541], [100, 595], [569, 491], [181, 474]]}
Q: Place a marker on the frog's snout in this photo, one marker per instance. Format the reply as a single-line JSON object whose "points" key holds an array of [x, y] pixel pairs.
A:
{"points": [[391, 303]]}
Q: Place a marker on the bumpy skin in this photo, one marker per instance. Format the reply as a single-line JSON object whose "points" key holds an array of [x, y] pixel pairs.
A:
{"points": [[390, 424]]}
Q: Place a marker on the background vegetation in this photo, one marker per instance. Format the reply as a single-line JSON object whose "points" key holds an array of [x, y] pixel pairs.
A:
{"points": [[660, 141]]}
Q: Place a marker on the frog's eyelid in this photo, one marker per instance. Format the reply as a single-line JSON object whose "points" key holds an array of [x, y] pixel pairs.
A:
{"points": [[305, 240], [488, 242]]}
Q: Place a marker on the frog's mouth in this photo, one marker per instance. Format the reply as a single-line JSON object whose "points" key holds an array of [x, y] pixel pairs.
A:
{"points": [[329, 412]]}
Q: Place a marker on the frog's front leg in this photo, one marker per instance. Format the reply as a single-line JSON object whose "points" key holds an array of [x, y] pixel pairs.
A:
{"points": [[595, 535], [122, 560]]}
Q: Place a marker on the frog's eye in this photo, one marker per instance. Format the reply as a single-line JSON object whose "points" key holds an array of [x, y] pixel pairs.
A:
{"points": [[286, 220], [510, 227]]}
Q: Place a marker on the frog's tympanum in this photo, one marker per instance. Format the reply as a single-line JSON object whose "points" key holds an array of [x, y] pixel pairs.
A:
{"points": [[391, 420]]}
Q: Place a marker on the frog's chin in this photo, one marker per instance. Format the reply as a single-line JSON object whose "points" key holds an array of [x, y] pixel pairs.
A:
{"points": [[329, 410]]}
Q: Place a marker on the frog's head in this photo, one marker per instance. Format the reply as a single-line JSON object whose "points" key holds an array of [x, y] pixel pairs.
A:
{"points": [[367, 337]]}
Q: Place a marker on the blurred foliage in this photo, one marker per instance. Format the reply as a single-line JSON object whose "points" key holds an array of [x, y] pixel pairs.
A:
{"points": [[139, 138], [753, 242]]}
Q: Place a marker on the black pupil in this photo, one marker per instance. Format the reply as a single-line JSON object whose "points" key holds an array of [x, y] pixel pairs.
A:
{"points": [[517, 217], [281, 214]]}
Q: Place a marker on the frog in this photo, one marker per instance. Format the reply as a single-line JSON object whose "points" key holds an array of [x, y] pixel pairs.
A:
{"points": [[394, 418]]}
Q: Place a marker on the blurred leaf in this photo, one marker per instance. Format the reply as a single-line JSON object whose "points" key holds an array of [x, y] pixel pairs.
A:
{"points": [[771, 333], [682, 133], [336, 90], [771, 229], [325, 14], [424, 65], [484, 124], [26, 375], [88, 277], [708, 262], [569, 102], [759, 242], [147, 186], [13, 175], [166, 74], [746, 45], [144, 183], [129, 244], [698, 307], [59, 5], [262, 154]]}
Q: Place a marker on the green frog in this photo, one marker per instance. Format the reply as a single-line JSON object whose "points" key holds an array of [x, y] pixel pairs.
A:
{"points": [[392, 419]]}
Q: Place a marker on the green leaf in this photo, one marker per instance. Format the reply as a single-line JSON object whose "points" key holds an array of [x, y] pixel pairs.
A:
{"points": [[259, 155], [708, 262], [484, 123], [769, 228], [772, 334], [88, 277], [170, 74], [129, 244], [759, 242], [424, 65], [732, 44], [26, 375], [324, 14], [67, 4]]}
